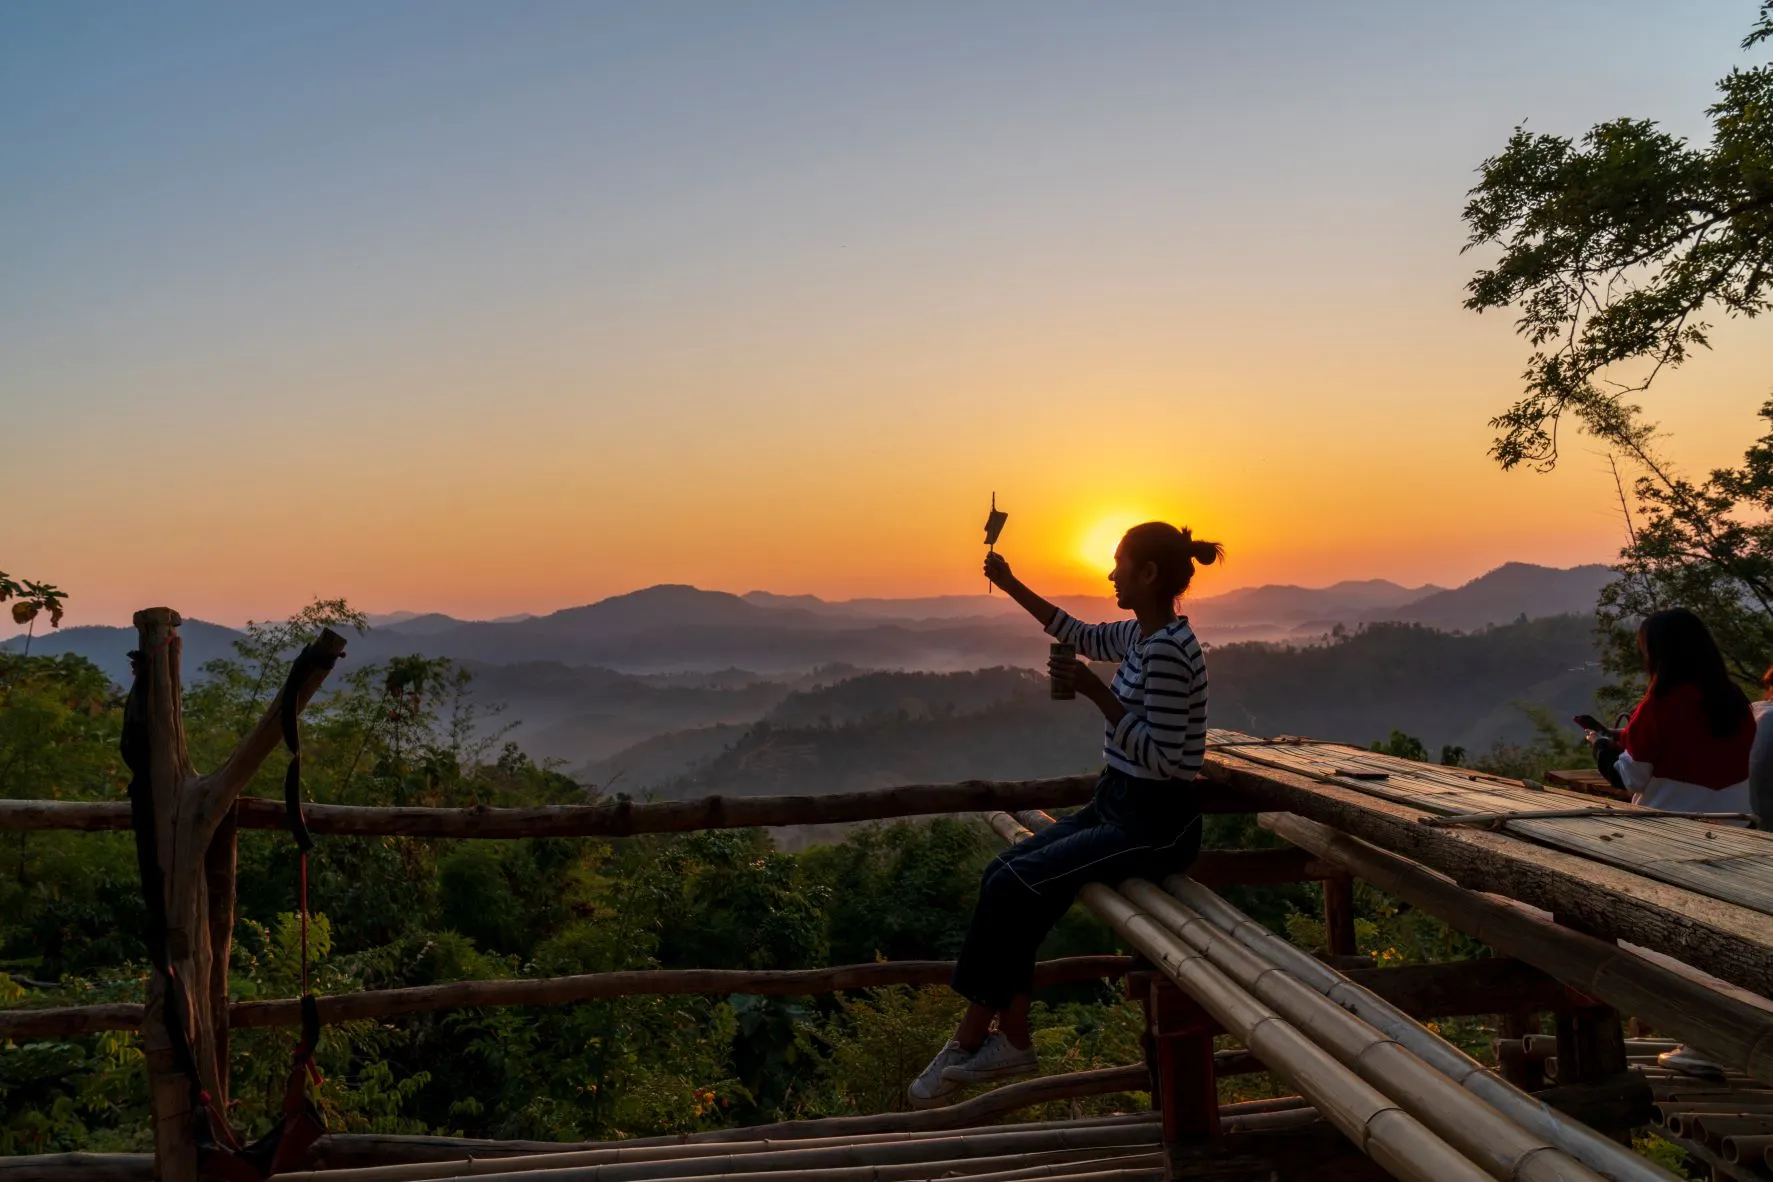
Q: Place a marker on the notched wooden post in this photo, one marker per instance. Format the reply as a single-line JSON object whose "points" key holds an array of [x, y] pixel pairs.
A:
{"points": [[195, 851]]}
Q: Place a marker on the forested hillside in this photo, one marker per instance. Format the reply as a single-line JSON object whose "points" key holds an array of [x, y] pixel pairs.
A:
{"points": [[1450, 690], [392, 913]]}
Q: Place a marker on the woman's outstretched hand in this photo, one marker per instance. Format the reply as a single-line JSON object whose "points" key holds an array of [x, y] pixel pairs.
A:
{"points": [[997, 571]]}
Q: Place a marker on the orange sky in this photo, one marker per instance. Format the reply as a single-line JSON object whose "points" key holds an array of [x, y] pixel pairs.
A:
{"points": [[450, 313]]}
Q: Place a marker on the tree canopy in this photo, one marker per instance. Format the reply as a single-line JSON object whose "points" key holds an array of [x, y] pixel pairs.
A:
{"points": [[1615, 249]]}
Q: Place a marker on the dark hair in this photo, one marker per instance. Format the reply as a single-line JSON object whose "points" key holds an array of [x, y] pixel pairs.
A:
{"points": [[1174, 552], [1678, 650]]}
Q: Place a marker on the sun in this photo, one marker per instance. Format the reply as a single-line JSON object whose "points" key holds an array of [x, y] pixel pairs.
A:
{"points": [[1096, 547]]}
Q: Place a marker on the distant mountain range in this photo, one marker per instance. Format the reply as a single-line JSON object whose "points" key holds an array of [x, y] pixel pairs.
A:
{"points": [[667, 630]]}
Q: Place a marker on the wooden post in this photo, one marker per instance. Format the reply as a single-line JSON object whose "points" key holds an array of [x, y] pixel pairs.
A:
{"points": [[1179, 1048], [1339, 915], [196, 862], [1514, 1064]]}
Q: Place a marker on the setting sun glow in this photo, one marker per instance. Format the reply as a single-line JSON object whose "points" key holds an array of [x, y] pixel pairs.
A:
{"points": [[1099, 542]]}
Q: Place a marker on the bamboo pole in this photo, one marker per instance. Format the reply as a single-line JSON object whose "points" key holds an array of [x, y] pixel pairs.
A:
{"points": [[985, 1152], [385, 1003], [335, 1156], [1439, 990], [811, 1153], [1711, 1128], [347, 1151], [613, 819], [1749, 1149], [1596, 1152], [1077, 1164], [1376, 1124], [1724, 1028], [1480, 1132]]}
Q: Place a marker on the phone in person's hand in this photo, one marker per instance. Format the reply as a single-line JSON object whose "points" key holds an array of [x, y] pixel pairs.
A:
{"points": [[1589, 722]]}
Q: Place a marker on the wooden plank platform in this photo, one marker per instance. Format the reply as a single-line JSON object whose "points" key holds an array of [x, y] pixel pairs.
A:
{"points": [[1587, 781], [1722, 861], [1699, 891]]}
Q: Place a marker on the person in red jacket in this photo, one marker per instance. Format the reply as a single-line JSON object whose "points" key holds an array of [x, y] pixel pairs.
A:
{"points": [[1687, 745]]}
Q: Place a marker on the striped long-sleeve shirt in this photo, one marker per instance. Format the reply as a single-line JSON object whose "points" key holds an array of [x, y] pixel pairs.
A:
{"points": [[1162, 682]]}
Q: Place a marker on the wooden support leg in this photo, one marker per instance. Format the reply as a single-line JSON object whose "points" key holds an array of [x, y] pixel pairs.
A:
{"points": [[1514, 1065], [1339, 915], [1179, 1049], [1591, 1051]]}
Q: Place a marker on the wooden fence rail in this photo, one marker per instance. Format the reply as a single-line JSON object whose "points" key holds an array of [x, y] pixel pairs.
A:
{"points": [[1443, 991], [613, 819]]}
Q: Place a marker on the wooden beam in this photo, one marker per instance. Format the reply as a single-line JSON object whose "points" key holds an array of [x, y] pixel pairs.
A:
{"points": [[1339, 915], [1721, 938], [387, 1003], [616, 818], [1463, 988], [1729, 1029], [1438, 991]]}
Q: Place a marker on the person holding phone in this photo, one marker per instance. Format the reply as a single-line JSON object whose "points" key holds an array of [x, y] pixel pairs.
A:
{"points": [[1142, 822], [1686, 746]]}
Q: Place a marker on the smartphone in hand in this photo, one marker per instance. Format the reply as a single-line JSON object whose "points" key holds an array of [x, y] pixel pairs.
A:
{"points": [[1589, 722]]}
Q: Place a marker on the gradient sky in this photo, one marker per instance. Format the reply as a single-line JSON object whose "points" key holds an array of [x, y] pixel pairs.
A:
{"points": [[488, 308]]}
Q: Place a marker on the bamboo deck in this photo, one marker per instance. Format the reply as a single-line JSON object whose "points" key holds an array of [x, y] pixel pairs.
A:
{"points": [[1723, 862]]}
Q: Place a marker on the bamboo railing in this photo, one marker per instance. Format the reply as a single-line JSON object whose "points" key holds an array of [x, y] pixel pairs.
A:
{"points": [[456, 995], [620, 818]]}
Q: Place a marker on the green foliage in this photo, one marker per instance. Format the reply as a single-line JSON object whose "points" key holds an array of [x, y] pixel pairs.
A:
{"points": [[393, 913], [31, 600], [1556, 745], [1671, 1157], [1704, 545], [1613, 249]]}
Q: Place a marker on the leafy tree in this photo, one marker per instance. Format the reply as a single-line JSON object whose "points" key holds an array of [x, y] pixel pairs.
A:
{"points": [[1614, 251], [31, 600]]}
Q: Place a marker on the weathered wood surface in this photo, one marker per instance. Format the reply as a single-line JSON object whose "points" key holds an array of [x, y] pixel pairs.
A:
{"points": [[614, 819], [1732, 1029], [1722, 861], [1587, 781], [1726, 939]]}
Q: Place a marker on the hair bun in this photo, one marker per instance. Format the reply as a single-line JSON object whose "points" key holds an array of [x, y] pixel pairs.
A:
{"points": [[1205, 553]]}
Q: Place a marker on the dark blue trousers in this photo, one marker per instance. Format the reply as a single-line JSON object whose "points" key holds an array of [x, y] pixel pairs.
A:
{"points": [[1131, 829]]}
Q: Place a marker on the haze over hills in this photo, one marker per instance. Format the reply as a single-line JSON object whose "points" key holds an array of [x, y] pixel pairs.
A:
{"points": [[678, 691], [677, 629]]}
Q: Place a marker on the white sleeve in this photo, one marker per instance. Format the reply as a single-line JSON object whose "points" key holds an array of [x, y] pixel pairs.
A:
{"points": [[1634, 774]]}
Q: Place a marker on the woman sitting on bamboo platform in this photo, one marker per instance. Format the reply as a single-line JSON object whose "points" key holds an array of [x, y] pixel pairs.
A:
{"points": [[1686, 747], [1142, 822]]}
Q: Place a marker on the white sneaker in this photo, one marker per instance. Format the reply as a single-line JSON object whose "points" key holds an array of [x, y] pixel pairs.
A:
{"points": [[932, 1089], [996, 1058], [1684, 1060]]}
